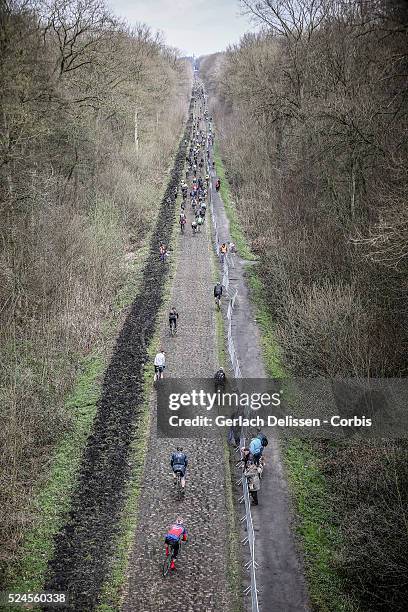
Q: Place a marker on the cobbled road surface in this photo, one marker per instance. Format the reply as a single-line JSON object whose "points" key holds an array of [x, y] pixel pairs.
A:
{"points": [[200, 582]]}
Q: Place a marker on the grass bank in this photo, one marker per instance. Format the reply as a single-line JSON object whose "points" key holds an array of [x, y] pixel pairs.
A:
{"points": [[236, 232], [314, 516]]}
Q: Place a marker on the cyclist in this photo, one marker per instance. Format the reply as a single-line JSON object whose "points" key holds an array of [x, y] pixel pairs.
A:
{"points": [[220, 378], [179, 464], [182, 221], [223, 251], [175, 533], [218, 293], [159, 364], [194, 226], [199, 221], [173, 316]]}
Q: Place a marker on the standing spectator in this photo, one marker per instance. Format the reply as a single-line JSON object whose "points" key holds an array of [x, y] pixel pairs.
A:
{"points": [[254, 482], [256, 449]]}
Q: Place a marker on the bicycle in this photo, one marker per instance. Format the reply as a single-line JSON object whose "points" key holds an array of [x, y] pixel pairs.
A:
{"points": [[179, 488], [182, 227], [168, 558], [158, 374], [218, 301], [173, 328]]}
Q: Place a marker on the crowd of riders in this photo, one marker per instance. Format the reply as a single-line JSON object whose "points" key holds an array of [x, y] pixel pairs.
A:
{"points": [[194, 191]]}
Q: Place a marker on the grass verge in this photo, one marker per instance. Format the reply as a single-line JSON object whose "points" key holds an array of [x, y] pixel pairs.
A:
{"points": [[316, 527], [52, 501], [236, 232], [315, 517]]}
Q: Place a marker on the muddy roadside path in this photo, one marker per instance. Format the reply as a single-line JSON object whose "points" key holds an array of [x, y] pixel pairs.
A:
{"points": [[83, 547]]}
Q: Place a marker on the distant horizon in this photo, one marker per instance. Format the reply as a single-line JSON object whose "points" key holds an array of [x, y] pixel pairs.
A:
{"points": [[198, 28]]}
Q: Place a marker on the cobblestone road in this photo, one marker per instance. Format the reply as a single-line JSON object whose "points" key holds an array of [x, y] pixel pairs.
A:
{"points": [[200, 582]]}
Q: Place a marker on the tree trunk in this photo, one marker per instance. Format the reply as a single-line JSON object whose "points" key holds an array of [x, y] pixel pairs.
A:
{"points": [[136, 130]]}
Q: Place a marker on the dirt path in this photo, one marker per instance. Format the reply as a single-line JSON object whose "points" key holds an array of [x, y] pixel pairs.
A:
{"points": [[200, 582], [280, 576]]}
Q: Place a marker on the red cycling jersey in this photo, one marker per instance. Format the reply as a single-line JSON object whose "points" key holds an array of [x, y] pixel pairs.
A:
{"points": [[177, 531]]}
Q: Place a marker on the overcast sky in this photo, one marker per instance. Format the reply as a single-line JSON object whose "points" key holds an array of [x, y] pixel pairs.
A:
{"points": [[195, 26]]}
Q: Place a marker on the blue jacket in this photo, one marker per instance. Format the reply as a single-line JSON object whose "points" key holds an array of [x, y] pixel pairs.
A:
{"points": [[178, 458], [256, 447]]}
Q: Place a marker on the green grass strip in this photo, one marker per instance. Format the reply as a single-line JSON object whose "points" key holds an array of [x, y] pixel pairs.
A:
{"points": [[316, 526], [236, 232], [52, 501], [270, 348]]}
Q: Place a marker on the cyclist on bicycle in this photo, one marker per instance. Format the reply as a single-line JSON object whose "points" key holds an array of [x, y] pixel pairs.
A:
{"points": [[194, 226], [159, 364], [173, 316], [179, 464], [175, 533], [220, 379]]}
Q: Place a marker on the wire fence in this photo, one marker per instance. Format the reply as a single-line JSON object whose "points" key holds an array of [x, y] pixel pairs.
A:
{"points": [[249, 539]]}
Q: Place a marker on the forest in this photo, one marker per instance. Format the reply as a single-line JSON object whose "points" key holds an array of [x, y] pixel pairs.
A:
{"points": [[91, 113], [312, 127]]}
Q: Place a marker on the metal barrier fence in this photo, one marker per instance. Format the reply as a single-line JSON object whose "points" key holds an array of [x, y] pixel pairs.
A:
{"points": [[249, 539], [251, 565]]}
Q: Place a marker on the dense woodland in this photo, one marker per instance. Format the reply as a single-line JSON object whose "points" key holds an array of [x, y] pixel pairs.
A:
{"points": [[312, 124], [91, 114]]}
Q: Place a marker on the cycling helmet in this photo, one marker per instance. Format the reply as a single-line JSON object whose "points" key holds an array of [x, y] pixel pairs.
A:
{"points": [[179, 520], [179, 448]]}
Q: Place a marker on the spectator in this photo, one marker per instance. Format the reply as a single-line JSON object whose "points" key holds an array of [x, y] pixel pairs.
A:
{"points": [[254, 482], [246, 456], [256, 449]]}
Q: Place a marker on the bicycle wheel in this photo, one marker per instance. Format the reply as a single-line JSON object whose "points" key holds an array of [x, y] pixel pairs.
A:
{"points": [[179, 487], [167, 563]]}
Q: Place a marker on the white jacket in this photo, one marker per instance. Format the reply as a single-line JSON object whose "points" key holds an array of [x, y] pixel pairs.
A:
{"points": [[160, 359]]}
